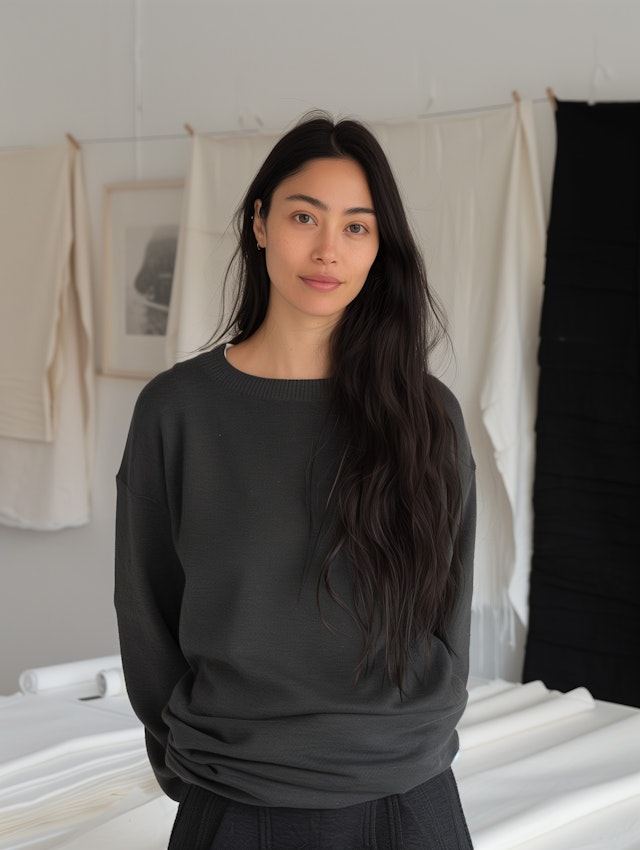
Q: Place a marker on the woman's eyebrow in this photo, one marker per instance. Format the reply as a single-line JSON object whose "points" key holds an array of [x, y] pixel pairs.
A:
{"points": [[314, 202]]}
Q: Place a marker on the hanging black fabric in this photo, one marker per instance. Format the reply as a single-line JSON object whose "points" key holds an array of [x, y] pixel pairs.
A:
{"points": [[584, 626]]}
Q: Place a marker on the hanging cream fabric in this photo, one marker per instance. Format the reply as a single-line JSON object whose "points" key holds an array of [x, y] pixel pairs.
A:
{"points": [[219, 174], [509, 391], [472, 185], [472, 188], [47, 376]]}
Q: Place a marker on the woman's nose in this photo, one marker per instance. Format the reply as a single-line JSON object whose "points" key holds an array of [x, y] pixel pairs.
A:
{"points": [[325, 249]]}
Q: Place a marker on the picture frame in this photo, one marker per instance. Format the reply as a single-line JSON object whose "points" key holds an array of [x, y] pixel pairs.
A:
{"points": [[141, 226]]}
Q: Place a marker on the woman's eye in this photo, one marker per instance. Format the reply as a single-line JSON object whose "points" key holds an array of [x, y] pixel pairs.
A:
{"points": [[357, 228], [303, 218]]}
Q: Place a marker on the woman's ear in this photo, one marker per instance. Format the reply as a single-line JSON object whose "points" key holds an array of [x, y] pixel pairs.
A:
{"points": [[259, 230]]}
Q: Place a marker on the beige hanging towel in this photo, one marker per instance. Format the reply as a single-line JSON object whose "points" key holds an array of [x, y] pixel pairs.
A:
{"points": [[46, 347]]}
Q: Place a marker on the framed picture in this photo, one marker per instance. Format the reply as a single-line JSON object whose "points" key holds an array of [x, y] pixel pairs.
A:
{"points": [[141, 221]]}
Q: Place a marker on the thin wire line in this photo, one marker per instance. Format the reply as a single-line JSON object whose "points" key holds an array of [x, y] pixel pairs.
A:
{"points": [[163, 137], [158, 137], [167, 137], [137, 76], [473, 109]]}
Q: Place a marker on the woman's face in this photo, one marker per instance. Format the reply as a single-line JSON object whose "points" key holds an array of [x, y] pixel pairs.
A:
{"points": [[320, 239]]}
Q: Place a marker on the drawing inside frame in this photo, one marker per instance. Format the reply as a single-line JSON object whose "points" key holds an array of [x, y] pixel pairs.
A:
{"points": [[142, 220]]}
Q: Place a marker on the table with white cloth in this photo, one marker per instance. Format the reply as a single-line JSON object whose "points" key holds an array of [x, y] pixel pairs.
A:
{"points": [[537, 770]]}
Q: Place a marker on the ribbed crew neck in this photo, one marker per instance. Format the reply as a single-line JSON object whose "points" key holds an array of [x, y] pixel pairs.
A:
{"points": [[275, 389]]}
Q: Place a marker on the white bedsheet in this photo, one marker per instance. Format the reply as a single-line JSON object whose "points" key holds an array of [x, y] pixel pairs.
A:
{"points": [[537, 770]]}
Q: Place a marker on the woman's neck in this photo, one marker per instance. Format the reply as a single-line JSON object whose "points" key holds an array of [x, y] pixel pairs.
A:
{"points": [[278, 352]]}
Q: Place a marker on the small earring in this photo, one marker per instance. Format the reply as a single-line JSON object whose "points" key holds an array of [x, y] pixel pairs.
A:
{"points": [[258, 246]]}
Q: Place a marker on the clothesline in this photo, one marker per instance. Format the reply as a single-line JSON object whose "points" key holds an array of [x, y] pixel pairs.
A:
{"points": [[188, 129]]}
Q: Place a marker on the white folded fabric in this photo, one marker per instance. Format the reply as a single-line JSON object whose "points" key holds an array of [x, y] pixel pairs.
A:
{"points": [[63, 760], [558, 811], [40, 679], [480, 689], [518, 711], [41, 728], [490, 701], [140, 820], [615, 826], [70, 804], [35, 779], [557, 785]]}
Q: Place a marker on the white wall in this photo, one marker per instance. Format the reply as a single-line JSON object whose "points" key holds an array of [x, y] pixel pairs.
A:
{"points": [[125, 75]]}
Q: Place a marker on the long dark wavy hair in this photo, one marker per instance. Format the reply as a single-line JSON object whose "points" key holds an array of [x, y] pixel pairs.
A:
{"points": [[397, 494]]}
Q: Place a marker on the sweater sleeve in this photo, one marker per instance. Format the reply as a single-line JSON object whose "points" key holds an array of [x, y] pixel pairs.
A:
{"points": [[460, 629], [149, 583], [465, 546]]}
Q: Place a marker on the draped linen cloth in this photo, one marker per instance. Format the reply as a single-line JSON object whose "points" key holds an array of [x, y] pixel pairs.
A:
{"points": [[219, 174], [472, 188], [46, 340], [585, 582]]}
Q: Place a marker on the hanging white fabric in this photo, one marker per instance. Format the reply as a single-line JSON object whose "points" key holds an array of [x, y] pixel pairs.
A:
{"points": [[47, 386], [472, 186], [219, 174]]}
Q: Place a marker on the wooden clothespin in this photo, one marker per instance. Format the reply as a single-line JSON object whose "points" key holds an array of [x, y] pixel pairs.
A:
{"points": [[516, 96], [189, 129], [74, 141], [552, 98]]}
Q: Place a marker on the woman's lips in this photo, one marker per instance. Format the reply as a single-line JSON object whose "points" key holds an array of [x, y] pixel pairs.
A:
{"points": [[322, 282]]}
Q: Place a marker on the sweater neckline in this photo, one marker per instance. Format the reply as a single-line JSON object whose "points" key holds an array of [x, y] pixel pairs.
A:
{"points": [[277, 389]]}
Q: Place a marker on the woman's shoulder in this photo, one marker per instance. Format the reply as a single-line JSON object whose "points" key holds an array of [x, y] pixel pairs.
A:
{"points": [[180, 383], [454, 411], [449, 399]]}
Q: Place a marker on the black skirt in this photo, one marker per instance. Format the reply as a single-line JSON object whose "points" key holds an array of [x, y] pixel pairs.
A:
{"points": [[428, 817]]}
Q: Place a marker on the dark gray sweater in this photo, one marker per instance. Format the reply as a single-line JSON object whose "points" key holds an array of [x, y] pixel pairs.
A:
{"points": [[221, 531]]}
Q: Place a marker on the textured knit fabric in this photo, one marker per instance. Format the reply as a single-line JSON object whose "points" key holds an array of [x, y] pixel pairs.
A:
{"points": [[244, 686], [429, 817], [585, 582]]}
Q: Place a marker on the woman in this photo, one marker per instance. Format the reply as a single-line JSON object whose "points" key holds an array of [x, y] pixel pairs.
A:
{"points": [[295, 532]]}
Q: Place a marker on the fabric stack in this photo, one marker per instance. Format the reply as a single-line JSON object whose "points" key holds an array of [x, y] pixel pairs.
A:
{"points": [[539, 769], [69, 754]]}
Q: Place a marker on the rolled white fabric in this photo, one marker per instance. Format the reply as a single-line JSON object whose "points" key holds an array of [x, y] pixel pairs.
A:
{"points": [[111, 682], [39, 679]]}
